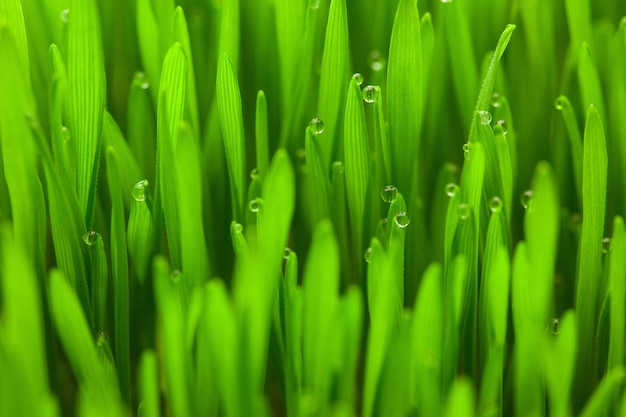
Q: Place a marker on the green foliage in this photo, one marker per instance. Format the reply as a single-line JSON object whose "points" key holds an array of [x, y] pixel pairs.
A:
{"points": [[378, 264]]}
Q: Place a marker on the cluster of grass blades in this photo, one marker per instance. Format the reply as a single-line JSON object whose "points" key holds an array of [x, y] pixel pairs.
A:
{"points": [[312, 208]]}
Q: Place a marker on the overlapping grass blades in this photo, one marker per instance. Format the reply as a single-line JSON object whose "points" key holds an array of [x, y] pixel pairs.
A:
{"points": [[416, 322]]}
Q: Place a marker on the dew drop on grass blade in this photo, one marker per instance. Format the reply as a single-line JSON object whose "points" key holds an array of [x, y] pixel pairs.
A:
{"points": [[404, 94]]}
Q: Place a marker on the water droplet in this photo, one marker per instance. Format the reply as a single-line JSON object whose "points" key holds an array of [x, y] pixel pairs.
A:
{"points": [[495, 204], [464, 211], [370, 94], [446, 1], [451, 189], [376, 60], [301, 153], [90, 238], [176, 275], [606, 245], [358, 77], [496, 100], [338, 167], [503, 125], [367, 254], [140, 190], [554, 326], [402, 220], [526, 199], [66, 134], [466, 151], [484, 117], [254, 174], [102, 335], [238, 228], [65, 15], [314, 4], [388, 193], [558, 103], [255, 205], [316, 125]]}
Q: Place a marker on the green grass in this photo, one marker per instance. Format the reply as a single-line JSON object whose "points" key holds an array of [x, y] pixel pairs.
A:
{"points": [[312, 208]]}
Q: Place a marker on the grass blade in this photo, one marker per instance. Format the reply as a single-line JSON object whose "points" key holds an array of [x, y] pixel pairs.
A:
{"points": [[320, 301], [119, 273], [576, 142], [542, 233], [317, 180], [617, 283], [87, 89], [334, 73], [356, 164], [589, 253], [170, 299], [261, 134], [195, 261], [231, 121], [404, 97]]}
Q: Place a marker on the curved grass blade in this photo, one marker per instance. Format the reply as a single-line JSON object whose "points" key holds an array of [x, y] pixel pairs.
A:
{"points": [[98, 385], [589, 252], [404, 94], [119, 273], [486, 89], [598, 404], [171, 107], [231, 121], [87, 95], [334, 73], [575, 140]]}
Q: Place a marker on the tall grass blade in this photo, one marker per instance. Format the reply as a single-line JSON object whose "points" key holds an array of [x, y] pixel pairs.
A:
{"points": [[119, 273], [356, 164], [320, 301], [231, 121], [87, 96], [404, 97], [333, 77], [590, 249]]}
